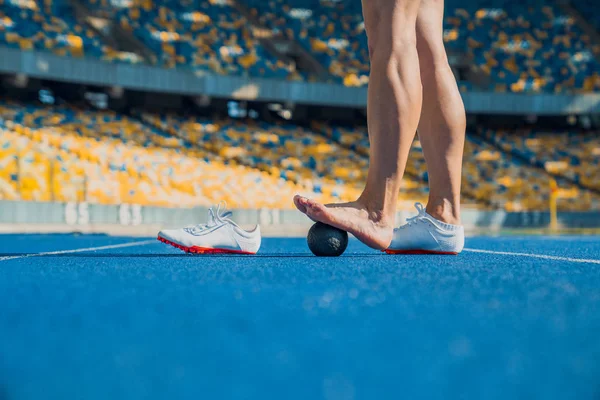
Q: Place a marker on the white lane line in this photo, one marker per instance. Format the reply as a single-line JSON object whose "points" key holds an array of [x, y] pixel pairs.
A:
{"points": [[112, 246], [542, 256]]}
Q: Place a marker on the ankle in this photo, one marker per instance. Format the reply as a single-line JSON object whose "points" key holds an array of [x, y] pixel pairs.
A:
{"points": [[444, 210], [376, 210]]}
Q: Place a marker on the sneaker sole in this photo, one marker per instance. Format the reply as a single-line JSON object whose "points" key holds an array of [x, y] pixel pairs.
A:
{"points": [[447, 253], [202, 250]]}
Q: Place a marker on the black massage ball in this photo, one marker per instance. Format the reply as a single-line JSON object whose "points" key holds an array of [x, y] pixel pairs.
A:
{"points": [[326, 241]]}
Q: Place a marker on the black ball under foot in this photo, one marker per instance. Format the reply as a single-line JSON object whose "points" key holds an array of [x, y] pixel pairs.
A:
{"points": [[326, 241]]}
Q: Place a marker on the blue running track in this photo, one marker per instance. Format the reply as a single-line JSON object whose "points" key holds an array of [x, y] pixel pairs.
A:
{"points": [[127, 318]]}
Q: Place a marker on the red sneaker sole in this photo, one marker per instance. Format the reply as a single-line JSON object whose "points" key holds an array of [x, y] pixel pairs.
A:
{"points": [[448, 253], [202, 250]]}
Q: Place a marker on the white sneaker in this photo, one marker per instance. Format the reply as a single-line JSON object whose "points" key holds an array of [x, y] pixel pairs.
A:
{"points": [[220, 235], [424, 234]]}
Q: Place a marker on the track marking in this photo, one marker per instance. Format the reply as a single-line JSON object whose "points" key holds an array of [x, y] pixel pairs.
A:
{"points": [[146, 242], [542, 256], [49, 253]]}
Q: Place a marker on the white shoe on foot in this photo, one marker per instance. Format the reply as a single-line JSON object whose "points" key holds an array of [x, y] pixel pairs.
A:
{"points": [[220, 235], [423, 234]]}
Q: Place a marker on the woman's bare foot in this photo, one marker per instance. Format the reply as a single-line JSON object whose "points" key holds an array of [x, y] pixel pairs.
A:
{"points": [[369, 227]]}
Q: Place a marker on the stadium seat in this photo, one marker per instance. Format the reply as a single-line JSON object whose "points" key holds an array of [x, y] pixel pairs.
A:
{"points": [[332, 31], [287, 150], [490, 177], [68, 154], [202, 35], [528, 46], [29, 25], [574, 155]]}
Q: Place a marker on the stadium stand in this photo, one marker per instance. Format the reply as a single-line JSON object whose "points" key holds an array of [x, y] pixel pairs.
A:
{"points": [[28, 25], [527, 46], [492, 177], [290, 151], [524, 46], [66, 154], [332, 31], [203, 35], [574, 155]]}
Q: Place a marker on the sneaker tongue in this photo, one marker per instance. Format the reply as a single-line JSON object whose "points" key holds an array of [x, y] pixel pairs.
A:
{"points": [[211, 218]]}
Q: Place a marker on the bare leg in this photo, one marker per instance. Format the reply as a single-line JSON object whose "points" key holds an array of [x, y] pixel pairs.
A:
{"points": [[394, 107], [442, 125]]}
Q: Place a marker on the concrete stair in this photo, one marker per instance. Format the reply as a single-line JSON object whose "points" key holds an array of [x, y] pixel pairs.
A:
{"points": [[282, 48], [112, 33]]}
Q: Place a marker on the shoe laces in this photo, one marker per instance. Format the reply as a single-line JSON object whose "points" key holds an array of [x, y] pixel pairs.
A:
{"points": [[215, 218], [414, 220]]}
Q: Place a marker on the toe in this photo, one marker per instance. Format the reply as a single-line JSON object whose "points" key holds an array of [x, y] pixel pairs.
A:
{"points": [[318, 212], [300, 203]]}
